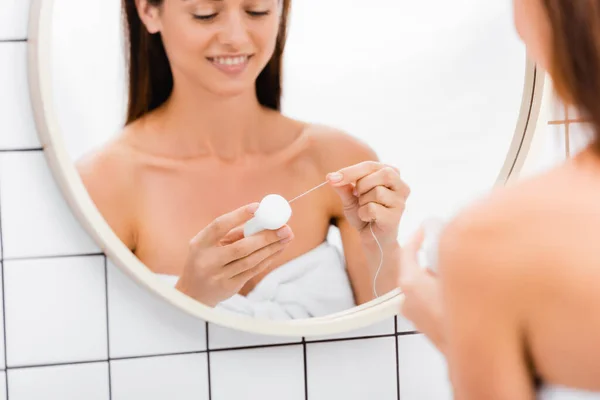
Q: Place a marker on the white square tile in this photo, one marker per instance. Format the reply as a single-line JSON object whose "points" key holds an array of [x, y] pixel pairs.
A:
{"points": [[548, 150], [385, 327], [272, 373], [559, 112], [17, 127], [36, 220], [220, 337], [404, 325], [423, 372], [3, 394], [141, 324], [580, 136], [181, 377], [556, 145], [64, 382], [13, 19], [55, 310], [352, 370]]}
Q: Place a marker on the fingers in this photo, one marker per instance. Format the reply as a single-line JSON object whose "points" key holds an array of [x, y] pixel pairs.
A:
{"points": [[383, 196], [233, 236], [349, 200], [414, 245], [353, 173], [218, 228], [376, 212], [387, 177], [409, 264], [245, 276], [244, 247], [253, 260]]}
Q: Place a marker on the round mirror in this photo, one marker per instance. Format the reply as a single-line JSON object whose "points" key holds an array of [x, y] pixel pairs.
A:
{"points": [[163, 122]]}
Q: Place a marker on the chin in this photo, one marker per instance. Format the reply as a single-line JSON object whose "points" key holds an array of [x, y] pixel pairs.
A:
{"points": [[231, 89]]}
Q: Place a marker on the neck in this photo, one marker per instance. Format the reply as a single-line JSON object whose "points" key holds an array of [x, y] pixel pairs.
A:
{"points": [[200, 123]]}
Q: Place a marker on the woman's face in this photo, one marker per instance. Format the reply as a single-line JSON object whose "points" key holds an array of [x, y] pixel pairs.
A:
{"points": [[533, 27], [221, 45]]}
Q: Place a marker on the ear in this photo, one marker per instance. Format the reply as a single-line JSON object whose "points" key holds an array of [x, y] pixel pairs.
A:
{"points": [[149, 14]]}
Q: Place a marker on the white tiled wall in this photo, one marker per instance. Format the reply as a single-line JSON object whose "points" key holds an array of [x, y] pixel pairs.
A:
{"points": [[77, 328]]}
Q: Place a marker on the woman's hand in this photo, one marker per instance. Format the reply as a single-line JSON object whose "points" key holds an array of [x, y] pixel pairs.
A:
{"points": [[221, 261], [372, 191], [422, 293]]}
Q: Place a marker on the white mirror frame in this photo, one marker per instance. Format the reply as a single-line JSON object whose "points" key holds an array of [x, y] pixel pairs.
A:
{"points": [[68, 179]]}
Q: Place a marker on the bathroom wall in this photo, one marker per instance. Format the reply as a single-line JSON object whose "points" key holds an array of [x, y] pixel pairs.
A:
{"points": [[74, 327]]}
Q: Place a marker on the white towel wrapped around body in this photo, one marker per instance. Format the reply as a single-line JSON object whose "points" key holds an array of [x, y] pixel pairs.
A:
{"points": [[314, 284]]}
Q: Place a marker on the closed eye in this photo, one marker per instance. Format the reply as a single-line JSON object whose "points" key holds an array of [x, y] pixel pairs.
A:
{"points": [[258, 13], [212, 16], [205, 17]]}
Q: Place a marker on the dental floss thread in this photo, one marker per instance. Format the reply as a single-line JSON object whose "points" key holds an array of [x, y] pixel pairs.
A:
{"points": [[307, 192], [380, 260], [372, 233]]}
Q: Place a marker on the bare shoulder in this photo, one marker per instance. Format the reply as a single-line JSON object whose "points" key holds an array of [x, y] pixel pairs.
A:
{"points": [[108, 173], [506, 236], [332, 149], [336, 149]]}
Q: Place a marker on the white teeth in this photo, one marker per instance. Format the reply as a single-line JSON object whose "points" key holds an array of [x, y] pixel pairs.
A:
{"points": [[231, 60]]}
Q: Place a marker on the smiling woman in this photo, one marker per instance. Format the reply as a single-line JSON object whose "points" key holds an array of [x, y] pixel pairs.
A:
{"points": [[190, 32], [166, 153], [204, 96]]}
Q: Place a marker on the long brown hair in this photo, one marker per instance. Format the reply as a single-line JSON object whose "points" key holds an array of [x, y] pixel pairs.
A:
{"points": [[575, 56], [149, 71]]}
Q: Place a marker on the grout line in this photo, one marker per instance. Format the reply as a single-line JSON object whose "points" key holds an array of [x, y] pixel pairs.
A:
{"points": [[107, 329], [208, 364], [58, 364], [49, 257], [408, 333], [348, 339], [305, 369], [258, 346], [109, 380], [397, 357], [13, 40], [3, 303], [21, 150], [567, 121], [181, 353]]}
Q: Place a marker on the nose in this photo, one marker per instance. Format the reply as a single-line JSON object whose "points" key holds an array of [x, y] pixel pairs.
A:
{"points": [[234, 31]]}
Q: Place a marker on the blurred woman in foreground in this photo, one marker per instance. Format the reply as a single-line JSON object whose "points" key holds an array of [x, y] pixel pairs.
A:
{"points": [[516, 305]]}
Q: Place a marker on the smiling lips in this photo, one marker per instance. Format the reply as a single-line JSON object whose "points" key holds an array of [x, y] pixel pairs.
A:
{"points": [[232, 65]]}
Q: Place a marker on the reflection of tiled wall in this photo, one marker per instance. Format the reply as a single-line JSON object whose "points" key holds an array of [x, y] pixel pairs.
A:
{"points": [[568, 130], [75, 328]]}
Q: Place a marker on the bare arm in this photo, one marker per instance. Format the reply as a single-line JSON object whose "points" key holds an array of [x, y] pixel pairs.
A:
{"points": [[362, 262], [362, 259], [482, 266]]}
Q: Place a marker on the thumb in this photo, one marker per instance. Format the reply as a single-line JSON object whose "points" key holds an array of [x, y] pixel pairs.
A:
{"points": [[349, 200], [410, 258], [233, 236]]}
